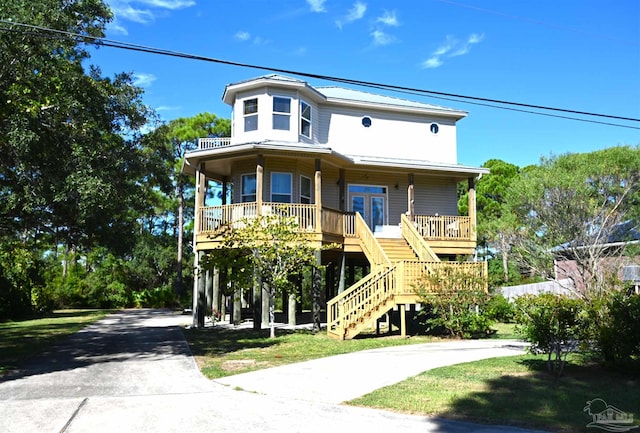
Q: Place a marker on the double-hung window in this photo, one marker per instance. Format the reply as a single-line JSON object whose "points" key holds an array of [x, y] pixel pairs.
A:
{"points": [[305, 119], [305, 190], [248, 188], [251, 114], [281, 187], [281, 113]]}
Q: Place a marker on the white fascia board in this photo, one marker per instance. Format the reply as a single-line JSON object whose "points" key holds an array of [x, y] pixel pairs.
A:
{"points": [[417, 165]]}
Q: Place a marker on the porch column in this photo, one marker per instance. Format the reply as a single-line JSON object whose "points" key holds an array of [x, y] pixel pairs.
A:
{"points": [[199, 297], [318, 196], [225, 186], [216, 289], [257, 300], [259, 183], [201, 192], [472, 207], [403, 320], [316, 286], [342, 192], [410, 197], [343, 272]]}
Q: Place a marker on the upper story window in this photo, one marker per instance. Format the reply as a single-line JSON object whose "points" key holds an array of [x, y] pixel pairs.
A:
{"points": [[305, 119], [251, 114], [281, 187], [248, 192], [305, 190], [281, 113]]}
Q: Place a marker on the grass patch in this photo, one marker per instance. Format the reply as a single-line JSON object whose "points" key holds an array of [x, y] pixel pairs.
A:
{"points": [[505, 331], [223, 352], [512, 390], [21, 340]]}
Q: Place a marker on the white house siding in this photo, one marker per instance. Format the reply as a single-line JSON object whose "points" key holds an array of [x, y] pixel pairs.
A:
{"points": [[390, 134], [265, 129]]}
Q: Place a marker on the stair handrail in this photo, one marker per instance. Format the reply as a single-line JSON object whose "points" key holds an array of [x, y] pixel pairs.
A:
{"points": [[370, 245], [417, 242], [358, 300]]}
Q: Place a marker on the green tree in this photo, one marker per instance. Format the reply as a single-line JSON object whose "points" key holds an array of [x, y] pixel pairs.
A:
{"points": [[574, 207], [177, 137], [275, 248], [494, 221]]}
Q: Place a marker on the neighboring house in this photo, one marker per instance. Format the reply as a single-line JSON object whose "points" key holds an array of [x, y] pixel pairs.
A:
{"points": [[606, 259], [375, 174]]}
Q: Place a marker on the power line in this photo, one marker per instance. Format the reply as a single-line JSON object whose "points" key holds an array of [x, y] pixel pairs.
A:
{"points": [[49, 33]]}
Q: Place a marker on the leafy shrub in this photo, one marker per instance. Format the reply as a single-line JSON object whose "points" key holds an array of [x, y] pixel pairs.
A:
{"points": [[614, 328], [552, 324], [459, 313], [500, 309], [158, 297]]}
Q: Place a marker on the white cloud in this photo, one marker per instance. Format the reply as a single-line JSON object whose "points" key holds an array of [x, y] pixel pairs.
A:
{"points": [[168, 108], [243, 36], [466, 47], [382, 38], [317, 5], [432, 62], [354, 14], [452, 47], [169, 4], [388, 19], [124, 10], [142, 79]]}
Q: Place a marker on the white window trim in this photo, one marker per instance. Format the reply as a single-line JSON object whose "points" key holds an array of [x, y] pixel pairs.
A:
{"points": [[290, 185], [280, 113], [302, 176], [245, 115], [242, 195], [301, 118]]}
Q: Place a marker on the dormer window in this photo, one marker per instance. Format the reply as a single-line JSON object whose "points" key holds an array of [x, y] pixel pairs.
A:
{"points": [[305, 119], [251, 114], [281, 113]]}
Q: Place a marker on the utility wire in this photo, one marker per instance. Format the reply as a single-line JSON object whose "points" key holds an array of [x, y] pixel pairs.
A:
{"points": [[50, 33]]}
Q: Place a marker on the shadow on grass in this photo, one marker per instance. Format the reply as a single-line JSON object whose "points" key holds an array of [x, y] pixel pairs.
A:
{"points": [[223, 341], [535, 397]]}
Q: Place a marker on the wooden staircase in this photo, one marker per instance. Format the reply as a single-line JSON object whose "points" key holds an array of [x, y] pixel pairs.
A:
{"points": [[397, 266], [362, 304], [397, 249]]}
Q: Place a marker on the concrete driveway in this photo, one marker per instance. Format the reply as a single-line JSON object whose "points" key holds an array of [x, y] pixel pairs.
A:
{"points": [[133, 372]]}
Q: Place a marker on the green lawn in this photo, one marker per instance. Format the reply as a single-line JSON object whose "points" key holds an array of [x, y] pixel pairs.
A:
{"points": [[21, 340], [222, 352], [512, 390]]}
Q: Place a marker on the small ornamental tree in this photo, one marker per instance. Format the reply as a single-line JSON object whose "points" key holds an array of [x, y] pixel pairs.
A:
{"points": [[552, 324], [276, 249]]}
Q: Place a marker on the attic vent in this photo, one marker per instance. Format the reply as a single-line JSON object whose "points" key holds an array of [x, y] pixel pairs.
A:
{"points": [[366, 121], [434, 128]]}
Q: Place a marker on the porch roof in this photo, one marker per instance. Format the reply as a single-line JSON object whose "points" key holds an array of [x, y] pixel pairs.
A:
{"points": [[217, 158]]}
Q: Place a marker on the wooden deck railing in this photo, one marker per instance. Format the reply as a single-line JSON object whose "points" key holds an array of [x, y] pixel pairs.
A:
{"points": [[370, 246], [213, 143], [444, 227], [417, 242], [374, 293], [213, 218], [336, 222]]}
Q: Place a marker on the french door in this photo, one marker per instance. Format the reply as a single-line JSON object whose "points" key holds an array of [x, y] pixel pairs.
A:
{"points": [[371, 202]]}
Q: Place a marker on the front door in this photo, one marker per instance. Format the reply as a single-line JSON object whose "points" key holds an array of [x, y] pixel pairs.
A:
{"points": [[371, 202]]}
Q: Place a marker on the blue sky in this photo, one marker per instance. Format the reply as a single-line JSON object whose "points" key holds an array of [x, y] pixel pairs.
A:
{"points": [[578, 54]]}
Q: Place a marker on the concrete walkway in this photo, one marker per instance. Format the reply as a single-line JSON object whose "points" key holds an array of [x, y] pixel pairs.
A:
{"points": [[133, 372]]}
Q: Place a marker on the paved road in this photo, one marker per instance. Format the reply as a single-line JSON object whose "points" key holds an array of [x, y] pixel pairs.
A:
{"points": [[133, 372]]}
